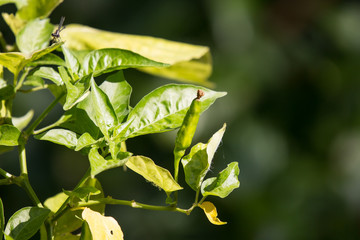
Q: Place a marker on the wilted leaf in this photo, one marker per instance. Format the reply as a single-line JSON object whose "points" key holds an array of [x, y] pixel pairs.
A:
{"points": [[211, 213], [197, 163], [188, 62], [102, 227], [159, 176], [9, 135], [224, 183], [26, 222], [163, 110]]}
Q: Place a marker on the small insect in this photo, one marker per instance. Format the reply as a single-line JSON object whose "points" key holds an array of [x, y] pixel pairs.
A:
{"points": [[56, 35]]}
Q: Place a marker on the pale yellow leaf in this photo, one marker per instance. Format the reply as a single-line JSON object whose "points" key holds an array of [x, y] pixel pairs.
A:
{"points": [[101, 227], [188, 62], [211, 213]]}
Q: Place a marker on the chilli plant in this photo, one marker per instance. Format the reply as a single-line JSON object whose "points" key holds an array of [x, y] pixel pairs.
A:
{"points": [[98, 119]]}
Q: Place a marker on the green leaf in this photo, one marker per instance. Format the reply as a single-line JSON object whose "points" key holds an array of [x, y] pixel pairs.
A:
{"points": [[34, 36], [78, 121], [106, 60], [37, 9], [72, 60], [26, 222], [85, 232], [84, 140], [222, 185], [9, 135], [21, 122], [34, 81], [74, 91], [14, 22], [15, 61], [197, 163], [118, 92], [55, 202], [163, 110], [48, 73], [159, 176], [59, 136], [188, 62], [99, 164], [83, 192], [2, 219], [49, 59], [6, 91], [70, 220], [101, 112]]}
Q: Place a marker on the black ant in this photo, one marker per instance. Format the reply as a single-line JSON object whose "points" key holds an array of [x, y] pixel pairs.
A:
{"points": [[56, 35]]}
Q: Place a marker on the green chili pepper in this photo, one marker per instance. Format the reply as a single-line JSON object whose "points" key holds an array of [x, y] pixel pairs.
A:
{"points": [[187, 130]]}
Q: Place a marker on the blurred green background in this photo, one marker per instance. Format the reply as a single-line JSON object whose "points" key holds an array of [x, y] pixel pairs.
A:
{"points": [[291, 70]]}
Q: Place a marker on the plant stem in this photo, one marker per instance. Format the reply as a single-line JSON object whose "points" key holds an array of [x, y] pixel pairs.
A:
{"points": [[25, 183], [45, 86], [32, 127], [6, 174], [132, 204]]}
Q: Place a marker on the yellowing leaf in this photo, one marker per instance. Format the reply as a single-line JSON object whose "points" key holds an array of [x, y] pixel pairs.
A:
{"points": [[101, 227], [191, 63], [211, 213]]}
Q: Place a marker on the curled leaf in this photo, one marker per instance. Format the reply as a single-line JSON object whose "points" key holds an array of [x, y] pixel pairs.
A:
{"points": [[211, 213], [102, 227]]}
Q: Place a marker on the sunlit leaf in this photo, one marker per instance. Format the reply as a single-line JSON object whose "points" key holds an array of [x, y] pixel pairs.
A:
{"points": [[26, 222], [99, 164], [16, 61], [78, 121], [37, 8], [118, 92], [15, 23], [102, 227], [188, 62], [48, 59], [75, 91], [9, 135], [34, 36], [48, 73], [70, 221], [21, 122], [224, 183], [83, 192], [84, 140], [59, 136], [197, 163], [163, 110], [110, 59], [159, 176], [102, 111], [211, 213], [54, 203]]}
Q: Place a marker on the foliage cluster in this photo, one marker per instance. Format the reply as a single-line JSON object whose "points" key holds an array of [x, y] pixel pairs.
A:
{"points": [[83, 69]]}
